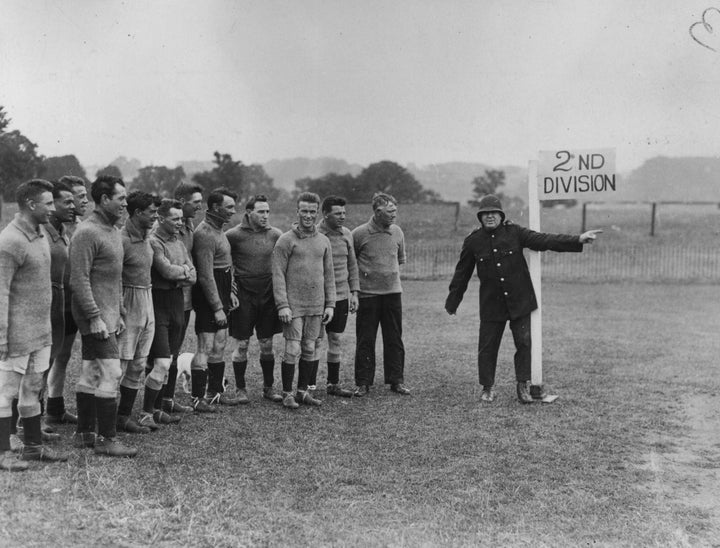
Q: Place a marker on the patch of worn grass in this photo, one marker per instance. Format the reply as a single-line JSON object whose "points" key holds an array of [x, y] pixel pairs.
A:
{"points": [[437, 468]]}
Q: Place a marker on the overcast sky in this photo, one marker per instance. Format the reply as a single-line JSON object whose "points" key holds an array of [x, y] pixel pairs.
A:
{"points": [[421, 81]]}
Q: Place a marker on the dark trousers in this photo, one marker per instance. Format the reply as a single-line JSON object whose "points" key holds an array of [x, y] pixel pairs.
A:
{"points": [[489, 344], [384, 311]]}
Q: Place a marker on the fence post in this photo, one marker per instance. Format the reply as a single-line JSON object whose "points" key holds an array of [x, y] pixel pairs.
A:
{"points": [[584, 217], [652, 219]]}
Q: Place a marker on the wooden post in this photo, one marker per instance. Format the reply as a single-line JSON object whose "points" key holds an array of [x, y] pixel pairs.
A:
{"points": [[584, 217], [652, 218], [536, 278]]}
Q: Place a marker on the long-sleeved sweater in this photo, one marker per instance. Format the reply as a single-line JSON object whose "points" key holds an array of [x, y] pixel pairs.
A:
{"points": [[96, 264], [137, 256], [25, 296], [303, 277], [251, 249], [380, 252], [344, 260], [172, 267], [211, 251], [59, 243]]}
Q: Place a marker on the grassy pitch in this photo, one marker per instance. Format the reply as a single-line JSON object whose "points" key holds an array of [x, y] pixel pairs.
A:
{"points": [[627, 456]]}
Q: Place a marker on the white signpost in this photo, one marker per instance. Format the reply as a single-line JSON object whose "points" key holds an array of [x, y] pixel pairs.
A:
{"points": [[560, 175]]}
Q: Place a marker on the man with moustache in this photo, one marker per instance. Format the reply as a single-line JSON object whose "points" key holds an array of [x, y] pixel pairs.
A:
{"points": [[25, 328], [213, 298], [495, 250], [96, 265]]}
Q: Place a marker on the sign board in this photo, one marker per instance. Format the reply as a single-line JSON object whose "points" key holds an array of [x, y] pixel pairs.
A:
{"points": [[576, 174]]}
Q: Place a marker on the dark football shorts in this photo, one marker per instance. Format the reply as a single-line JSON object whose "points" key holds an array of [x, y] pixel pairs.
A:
{"points": [[339, 321], [94, 349]]}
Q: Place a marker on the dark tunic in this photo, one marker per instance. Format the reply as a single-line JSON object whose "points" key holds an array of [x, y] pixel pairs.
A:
{"points": [[506, 291]]}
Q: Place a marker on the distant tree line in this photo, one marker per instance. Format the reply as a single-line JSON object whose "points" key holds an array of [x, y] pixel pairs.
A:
{"points": [[385, 176], [19, 161]]}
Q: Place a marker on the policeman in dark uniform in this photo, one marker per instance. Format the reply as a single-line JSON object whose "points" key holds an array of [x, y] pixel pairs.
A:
{"points": [[506, 291]]}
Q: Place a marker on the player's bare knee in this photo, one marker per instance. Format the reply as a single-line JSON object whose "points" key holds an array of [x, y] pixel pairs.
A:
{"points": [[240, 352]]}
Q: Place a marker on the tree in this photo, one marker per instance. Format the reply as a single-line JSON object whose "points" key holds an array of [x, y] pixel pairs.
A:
{"points": [[332, 184], [235, 176], [128, 167], [58, 166], [487, 184], [19, 160], [257, 181], [158, 180], [392, 178], [111, 170]]}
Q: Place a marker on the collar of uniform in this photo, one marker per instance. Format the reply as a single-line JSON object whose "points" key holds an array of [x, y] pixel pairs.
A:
{"points": [[162, 234], [56, 234], [101, 218], [31, 233], [245, 224], [187, 226], [302, 234], [135, 233], [374, 227], [323, 228], [214, 220]]}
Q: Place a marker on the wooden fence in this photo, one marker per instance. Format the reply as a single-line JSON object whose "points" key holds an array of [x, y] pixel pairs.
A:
{"points": [[696, 264]]}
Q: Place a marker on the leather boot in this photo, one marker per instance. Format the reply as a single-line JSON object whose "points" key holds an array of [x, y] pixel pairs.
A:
{"points": [[523, 392]]}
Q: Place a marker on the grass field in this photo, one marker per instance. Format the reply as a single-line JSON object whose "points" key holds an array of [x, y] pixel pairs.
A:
{"points": [[629, 455]]}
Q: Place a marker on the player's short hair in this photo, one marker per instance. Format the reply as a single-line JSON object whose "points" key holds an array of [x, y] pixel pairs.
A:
{"points": [[139, 200], [381, 199], [309, 197], [59, 187], [184, 191], [167, 204], [72, 181], [104, 185], [217, 195], [330, 201], [31, 190], [252, 200]]}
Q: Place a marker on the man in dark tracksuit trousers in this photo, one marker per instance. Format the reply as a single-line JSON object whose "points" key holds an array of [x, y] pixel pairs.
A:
{"points": [[506, 291]]}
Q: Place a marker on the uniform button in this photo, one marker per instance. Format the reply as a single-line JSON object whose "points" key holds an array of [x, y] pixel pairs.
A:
{"points": [[506, 293], [494, 250], [502, 279], [498, 264]]}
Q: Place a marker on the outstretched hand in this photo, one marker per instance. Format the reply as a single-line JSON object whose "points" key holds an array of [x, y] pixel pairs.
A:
{"points": [[589, 236]]}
